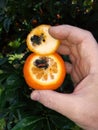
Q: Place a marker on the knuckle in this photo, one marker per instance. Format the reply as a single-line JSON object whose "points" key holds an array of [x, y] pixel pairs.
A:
{"points": [[88, 33], [45, 99]]}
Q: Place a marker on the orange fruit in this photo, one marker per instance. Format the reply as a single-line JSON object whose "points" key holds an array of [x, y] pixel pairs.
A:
{"points": [[41, 42], [44, 72]]}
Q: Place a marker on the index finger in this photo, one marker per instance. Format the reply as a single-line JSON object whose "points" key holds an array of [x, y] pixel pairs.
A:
{"points": [[67, 32]]}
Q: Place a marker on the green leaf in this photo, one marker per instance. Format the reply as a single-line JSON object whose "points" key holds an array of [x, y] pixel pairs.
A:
{"points": [[2, 124], [12, 79], [1, 16], [3, 60], [2, 99], [26, 122], [3, 3], [6, 24], [15, 44], [36, 126], [58, 121], [76, 128]]}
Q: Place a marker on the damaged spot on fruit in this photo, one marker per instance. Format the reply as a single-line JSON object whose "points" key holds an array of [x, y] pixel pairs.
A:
{"points": [[41, 63], [36, 40]]}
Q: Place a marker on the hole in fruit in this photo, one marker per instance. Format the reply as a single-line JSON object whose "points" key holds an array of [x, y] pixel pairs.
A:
{"points": [[36, 40], [41, 63], [43, 40]]}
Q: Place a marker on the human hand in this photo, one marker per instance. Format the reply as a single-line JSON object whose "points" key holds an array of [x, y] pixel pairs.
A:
{"points": [[81, 106]]}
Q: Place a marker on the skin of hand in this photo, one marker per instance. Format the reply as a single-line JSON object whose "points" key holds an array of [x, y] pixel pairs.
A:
{"points": [[81, 106]]}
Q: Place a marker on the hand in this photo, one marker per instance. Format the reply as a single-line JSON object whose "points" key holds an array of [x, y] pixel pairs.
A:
{"points": [[81, 106]]}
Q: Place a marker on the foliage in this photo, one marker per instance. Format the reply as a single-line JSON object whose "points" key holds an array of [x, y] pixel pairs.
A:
{"points": [[17, 18]]}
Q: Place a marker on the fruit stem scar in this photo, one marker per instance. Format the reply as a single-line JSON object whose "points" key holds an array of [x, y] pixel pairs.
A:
{"points": [[36, 40], [41, 63]]}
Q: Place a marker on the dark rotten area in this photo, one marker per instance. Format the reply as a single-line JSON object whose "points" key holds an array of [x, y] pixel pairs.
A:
{"points": [[41, 63]]}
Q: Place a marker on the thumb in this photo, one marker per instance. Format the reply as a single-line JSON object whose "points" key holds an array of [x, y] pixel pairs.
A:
{"points": [[62, 103]]}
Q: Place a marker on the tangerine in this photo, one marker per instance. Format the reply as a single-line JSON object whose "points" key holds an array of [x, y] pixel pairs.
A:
{"points": [[44, 72], [41, 42]]}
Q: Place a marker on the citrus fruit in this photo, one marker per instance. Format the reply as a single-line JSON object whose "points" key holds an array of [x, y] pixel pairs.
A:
{"points": [[40, 41], [44, 72]]}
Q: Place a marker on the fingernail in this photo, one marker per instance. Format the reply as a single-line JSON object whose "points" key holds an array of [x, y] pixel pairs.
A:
{"points": [[35, 95]]}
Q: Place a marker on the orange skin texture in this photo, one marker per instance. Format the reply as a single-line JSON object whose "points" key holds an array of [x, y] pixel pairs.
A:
{"points": [[35, 84]]}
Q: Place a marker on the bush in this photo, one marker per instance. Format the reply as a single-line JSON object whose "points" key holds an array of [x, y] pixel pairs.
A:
{"points": [[17, 18]]}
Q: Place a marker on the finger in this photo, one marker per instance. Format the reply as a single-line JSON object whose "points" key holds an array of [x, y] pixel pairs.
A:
{"points": [[74, 72], [71, 33], [68, 67], [75, 78], [63, 49], [62, 103]]}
